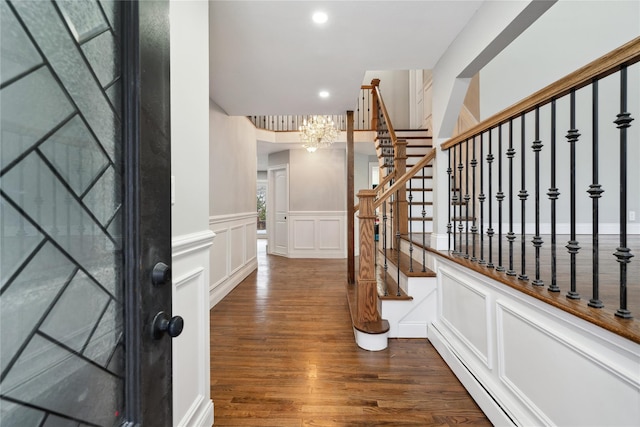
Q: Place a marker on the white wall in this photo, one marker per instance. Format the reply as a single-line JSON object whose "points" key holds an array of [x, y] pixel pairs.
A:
{"points": [[570, 35], [317, 181], [394, 87], [232, 203], [191, 237]]}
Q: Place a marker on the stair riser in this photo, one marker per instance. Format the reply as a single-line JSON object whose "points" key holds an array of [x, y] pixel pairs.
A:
{"points": [[410, 318]]}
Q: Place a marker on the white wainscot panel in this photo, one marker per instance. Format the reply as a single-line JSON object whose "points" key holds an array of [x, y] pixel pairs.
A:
{"points": [[329, 234], [219, 268], [558, 377], [466, 311], [303, 233], [190, 290], [251, 247], [237, 247], [317, 234], [233, 256]]}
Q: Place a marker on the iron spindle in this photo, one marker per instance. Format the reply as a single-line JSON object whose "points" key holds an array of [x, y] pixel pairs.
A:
{"points": [[466, 199], [511, 235], [410, 228], [537, 239], [553, 196], [623, 253], [481, 199], [595, 191], [454, 201], [474, 228], [500, 198], [523, 195], [450, 200], [384, 245], [424, 213], [398, 242], [572, 245], [490, 232], [460, 167]]}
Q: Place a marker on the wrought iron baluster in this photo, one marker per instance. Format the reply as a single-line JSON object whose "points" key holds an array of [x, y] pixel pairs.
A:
{"points": [[398, 242], [460, 226], [511, 235], [384, 245], [500, 199], [572, 245], [523, 195], [490, 231], [595, 191], [623, 253], [410, 227], [537, 239], [553, 197], [424, 213], [450, 200], [481, 199], [474, 228], [454, 200], [466, 199]]}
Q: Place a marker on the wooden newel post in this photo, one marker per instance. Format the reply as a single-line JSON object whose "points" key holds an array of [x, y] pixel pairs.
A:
{"points": [[366, 290], [374, 104]]}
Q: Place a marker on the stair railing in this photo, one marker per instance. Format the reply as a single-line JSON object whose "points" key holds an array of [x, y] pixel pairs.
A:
{"points": [[520, 139]]}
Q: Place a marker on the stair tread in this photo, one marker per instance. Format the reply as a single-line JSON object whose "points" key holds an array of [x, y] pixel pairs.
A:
{"points": [[418, 203], [391, 286], [392, 257]]}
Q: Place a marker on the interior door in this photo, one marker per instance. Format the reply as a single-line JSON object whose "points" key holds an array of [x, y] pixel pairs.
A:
{"points": [[85, 214], [281, 208]]}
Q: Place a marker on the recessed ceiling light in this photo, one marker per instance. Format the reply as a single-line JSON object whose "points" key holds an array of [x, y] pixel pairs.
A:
{"points": [[320, 17], [323, 94]]}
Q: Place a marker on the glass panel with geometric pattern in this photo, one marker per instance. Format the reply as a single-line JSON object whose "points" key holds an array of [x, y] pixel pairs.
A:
{"points": [[61, 287]]}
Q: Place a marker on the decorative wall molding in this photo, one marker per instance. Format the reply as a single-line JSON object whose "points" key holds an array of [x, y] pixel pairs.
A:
{"points": [[186, 244], [543, 357], [233, 253], [190, 266], [317, 234]]}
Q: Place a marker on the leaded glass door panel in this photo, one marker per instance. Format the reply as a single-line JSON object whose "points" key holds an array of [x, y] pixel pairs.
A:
{"points": [[84, 214]]}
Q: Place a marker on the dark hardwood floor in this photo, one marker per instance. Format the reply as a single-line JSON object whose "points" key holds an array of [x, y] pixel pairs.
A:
{"points": [[283, 354]]}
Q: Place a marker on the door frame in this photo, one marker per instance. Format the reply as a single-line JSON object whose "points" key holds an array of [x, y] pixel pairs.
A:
{"points": [[271, 219]]}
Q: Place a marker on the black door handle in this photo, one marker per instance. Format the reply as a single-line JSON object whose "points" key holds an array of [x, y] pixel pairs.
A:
{"points": [[163, 323]]}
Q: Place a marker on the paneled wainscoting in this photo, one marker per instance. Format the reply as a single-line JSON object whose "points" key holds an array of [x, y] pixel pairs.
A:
{"points": [[317, 234], [528, 363], [233, 253], [192, 404]]}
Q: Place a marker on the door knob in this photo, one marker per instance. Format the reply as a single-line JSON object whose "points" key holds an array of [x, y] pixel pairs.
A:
{"points": [[161, 274], [163, 323]]}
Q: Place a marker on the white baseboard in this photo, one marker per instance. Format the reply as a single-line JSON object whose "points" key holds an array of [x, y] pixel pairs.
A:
{"points": [[199, 415], [489, 406], [222, 289], [439, 242]]}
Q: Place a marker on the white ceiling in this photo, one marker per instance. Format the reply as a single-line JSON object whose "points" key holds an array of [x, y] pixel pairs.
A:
{"points": [[268, 57]]}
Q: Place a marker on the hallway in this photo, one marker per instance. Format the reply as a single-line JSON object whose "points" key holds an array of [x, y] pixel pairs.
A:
{"points": [[283, 354]]}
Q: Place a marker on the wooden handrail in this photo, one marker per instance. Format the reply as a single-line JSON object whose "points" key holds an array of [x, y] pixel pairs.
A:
{"points": [[385, 113], [399, 183], [628, 54], [379, 188]]}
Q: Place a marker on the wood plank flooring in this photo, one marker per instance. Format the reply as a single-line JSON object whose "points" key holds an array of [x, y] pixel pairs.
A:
{"points": [[283, 354]]}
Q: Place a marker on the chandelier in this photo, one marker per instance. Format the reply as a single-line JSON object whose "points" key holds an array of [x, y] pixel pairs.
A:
{"points": [[318, 132]]}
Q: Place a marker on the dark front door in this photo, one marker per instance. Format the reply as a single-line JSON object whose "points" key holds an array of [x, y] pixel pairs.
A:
{"points": [[85, 290]]}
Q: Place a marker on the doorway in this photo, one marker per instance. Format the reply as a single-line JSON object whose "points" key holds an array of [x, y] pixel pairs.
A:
{"points": [[278, 229]]}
